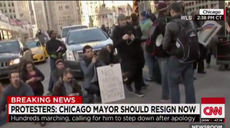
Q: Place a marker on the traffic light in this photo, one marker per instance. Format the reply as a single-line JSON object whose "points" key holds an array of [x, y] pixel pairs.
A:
{"points": [[135, 6]]}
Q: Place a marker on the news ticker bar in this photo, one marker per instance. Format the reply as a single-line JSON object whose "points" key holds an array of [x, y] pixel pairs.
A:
{"points": [[103, 118], [209, 17], [207, 126]]}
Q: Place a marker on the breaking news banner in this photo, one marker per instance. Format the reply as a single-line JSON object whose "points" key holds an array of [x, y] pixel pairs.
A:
{"points": [[210, 14], [213, 109], [206, 126], [69, 109]]}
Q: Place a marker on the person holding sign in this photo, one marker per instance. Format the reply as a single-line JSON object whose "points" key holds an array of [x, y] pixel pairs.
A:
{"points": [[88, 64], [131, 53]]}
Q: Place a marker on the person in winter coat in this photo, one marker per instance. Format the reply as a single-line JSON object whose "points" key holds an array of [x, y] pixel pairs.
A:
{"points": [[88, 64], [134, 21], [58, 72], [33, 77], [199, 65], [146, 23], [67, 85], [42, 37], [104, 29], [162, 55], [131, 53]]}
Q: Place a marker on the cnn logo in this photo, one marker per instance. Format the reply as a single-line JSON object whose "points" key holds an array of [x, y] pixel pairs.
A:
{"points": [[213, 111]]}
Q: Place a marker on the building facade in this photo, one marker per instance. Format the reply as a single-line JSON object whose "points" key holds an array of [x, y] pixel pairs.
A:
{"points": [[16, 9], [40, 15], [96, 13], [62, 13], [196, 5]]}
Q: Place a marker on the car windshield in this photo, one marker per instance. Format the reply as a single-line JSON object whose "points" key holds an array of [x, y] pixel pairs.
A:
{"points": [[9, 47], [87, 35], [66, 30], [33, 44]]}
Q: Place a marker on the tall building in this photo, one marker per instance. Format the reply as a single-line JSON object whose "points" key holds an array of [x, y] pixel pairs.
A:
{"points": [[103, 12], [40, 15], [62, 13], [16, 9], [196, 5]]}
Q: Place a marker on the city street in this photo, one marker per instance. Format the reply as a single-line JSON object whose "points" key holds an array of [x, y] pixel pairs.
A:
{"points": [[213, 84]]}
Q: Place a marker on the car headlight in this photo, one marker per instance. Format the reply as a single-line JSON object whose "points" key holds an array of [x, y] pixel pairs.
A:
{"points": [[15, 61], [70, 55]]}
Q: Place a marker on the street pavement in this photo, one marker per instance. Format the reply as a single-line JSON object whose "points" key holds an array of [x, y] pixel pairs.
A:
{"points": [[213, 84]]}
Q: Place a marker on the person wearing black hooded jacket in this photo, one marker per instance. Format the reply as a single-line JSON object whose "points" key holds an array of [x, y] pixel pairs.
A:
{"points": [[161, 55], [131, 53]]}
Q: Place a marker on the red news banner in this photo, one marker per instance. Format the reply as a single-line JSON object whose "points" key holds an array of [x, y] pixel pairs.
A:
{"points": [[71, 109]]}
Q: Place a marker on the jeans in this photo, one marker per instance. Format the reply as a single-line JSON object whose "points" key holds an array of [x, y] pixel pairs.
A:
{"points": [[150, 63], [176, 71], [52, 67], [163, 64]]}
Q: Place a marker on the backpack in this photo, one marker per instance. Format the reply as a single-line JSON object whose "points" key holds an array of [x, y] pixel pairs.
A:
{"points": [[187, 44], [149, 44]]}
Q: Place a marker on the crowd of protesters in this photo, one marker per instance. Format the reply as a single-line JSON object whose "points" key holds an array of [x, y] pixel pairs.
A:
{"points": [[136, 44]]}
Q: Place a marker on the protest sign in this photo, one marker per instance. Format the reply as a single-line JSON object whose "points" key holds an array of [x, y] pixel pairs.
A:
{"points": [[208, 31], [111, 83]]}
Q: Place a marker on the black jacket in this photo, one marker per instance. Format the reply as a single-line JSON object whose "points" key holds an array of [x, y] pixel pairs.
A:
{"points": [[59, 88], [160, 29], [53, 45], [132, 53], [56, 74]]}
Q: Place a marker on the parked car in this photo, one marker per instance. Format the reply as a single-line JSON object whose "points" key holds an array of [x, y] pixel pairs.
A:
{"points": [[12, 52], [66, 29], [75, 42], [38, 51]]}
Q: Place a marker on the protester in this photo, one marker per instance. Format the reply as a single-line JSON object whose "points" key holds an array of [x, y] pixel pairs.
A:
{"points": [[177, 69], [146, 23], [150, 49], [161, 55], [134, 20], [88, 64], [104, 28], [41, 36], [131, 53], [33, 77], [211, 50], [67, 85], [15, 88], [199, 65], [58, 72], [55, 48]]}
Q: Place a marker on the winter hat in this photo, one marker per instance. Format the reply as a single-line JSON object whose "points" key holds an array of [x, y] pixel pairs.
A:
{"points": [[161, 6], [121, 17]]}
